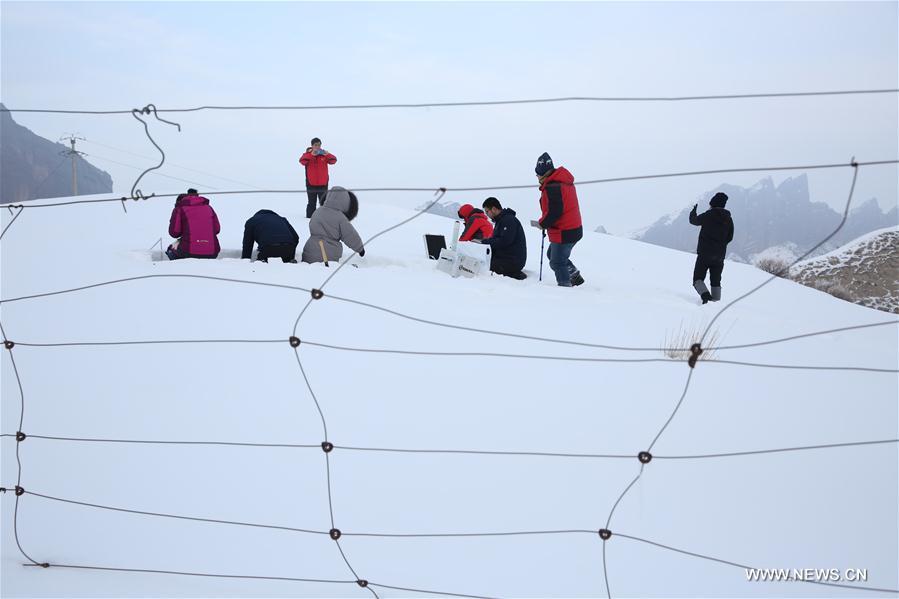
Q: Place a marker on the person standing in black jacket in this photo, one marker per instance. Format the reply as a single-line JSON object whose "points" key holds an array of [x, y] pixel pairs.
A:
{"points": [[508, 248], [716, 232], [274, 234]]}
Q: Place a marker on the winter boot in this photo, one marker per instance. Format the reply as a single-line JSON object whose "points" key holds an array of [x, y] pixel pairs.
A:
{"points": [[702, 290], [716, 294], [576, 278], [171, 253]]}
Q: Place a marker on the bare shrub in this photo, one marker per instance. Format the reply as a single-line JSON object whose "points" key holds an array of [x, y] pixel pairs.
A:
{"points": [[677, 343], [833, 288], [775, 266]]}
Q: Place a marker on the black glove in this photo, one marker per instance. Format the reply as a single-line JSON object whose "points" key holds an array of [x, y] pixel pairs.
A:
{"points": [[362, 252], [695, 206]]}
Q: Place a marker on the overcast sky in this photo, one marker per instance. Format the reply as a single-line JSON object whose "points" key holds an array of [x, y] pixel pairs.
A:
{"points": [[99, 56]]}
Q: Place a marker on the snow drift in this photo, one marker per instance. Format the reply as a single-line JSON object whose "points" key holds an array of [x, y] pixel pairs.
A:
{"points": [[826, 508]]}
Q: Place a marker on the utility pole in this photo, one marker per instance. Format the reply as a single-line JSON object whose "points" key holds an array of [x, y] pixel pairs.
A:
{"points": [[74, 154]]}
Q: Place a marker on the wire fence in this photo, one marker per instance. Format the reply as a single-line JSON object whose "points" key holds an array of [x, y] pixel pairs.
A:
{"points": [[497, 187], [568, 99], [643, 457]]}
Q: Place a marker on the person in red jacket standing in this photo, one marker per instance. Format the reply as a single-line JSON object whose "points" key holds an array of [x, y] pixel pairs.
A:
{"points": [[560, 219], [477, 226], [316, 161]]}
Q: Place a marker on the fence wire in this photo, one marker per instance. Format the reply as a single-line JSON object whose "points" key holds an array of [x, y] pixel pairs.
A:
{"points": [[643, 457]]}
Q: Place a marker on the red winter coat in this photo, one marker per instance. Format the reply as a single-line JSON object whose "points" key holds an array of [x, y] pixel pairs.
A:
{"points": [[477, 225], [561, 214], [195, 222], [317, 168]]}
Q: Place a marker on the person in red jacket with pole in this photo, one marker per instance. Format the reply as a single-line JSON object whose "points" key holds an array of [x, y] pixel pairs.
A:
{"points": [[560, 218], [477, 226], [316, 161]]}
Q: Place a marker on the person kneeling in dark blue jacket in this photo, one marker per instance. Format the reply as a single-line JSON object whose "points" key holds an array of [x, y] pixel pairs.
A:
{"points": [[274, 234], [508, 248]]}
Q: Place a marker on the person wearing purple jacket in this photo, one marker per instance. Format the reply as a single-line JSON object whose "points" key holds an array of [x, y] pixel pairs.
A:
{"points": [[195, 226]]}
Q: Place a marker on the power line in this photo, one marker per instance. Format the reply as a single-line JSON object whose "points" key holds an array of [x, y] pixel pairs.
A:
{"points": [[186, 168], [47, 178], [140, 168]]}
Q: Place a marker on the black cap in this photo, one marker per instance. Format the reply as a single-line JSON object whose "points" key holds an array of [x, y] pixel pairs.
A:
{"points": [[544, 164], [718, 200]]}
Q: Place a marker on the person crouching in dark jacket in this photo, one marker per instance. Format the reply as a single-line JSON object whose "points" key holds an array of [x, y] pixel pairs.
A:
{"points": [[476, 224], [716, 232], [508, 248], [274, 234]]}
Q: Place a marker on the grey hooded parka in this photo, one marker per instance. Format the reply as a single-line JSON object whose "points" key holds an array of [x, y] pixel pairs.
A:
{"points": [[331, 225]]}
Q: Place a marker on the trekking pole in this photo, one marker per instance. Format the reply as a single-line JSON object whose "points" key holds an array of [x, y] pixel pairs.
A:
{"points": [[542, 241], [321, 246]]}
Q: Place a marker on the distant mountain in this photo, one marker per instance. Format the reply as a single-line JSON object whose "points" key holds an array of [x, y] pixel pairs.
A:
{"points": [[32, 167], [768, 216], [866, 271]]}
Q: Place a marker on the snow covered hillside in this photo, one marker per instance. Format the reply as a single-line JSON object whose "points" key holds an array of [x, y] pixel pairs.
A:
{"points": [[820, 508], [867, 269]]}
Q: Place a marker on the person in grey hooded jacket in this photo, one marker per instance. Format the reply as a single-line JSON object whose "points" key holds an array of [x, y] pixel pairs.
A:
{"points": [[330, 225]]}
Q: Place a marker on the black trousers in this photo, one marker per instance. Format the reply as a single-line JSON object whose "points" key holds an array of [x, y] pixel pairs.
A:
{"points": [[506, 267], [314, 194], [286, 251], [713, 265]]}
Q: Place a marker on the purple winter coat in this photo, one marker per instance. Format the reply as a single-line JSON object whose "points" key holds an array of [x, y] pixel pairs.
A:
{"points": [[195, 222]]}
